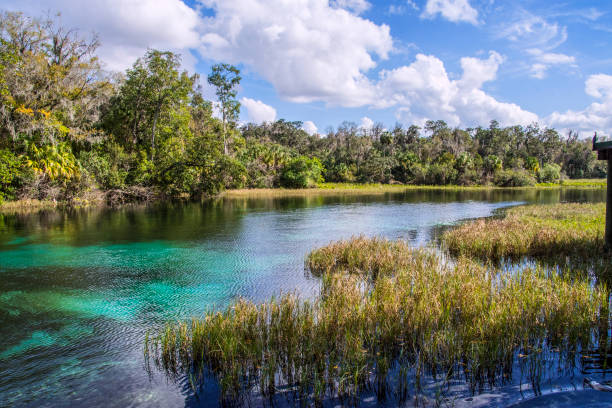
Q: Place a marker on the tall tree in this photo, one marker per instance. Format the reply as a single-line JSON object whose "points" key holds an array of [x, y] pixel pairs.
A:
{"points": [[151, 97], [226, 79], [51, 85]]}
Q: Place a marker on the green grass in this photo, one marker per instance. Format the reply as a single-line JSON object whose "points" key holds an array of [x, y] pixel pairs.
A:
{"points": [[541, 231], [585, 183], [387, 317], [372, 188]]}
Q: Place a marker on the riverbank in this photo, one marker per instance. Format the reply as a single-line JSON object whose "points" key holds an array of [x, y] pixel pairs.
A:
{"points": [[118, 198], [354, 188]]}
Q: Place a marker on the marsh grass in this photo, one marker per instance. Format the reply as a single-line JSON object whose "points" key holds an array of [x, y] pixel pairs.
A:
{"points": [[27, 205], [555, 231], [373, 188], [584, 183], [387, 317]]}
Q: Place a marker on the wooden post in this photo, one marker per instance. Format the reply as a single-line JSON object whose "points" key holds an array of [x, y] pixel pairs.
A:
{"points": [[609, 205], [604, 152]]}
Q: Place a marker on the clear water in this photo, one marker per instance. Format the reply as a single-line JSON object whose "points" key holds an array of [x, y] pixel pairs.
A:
{"points": [[79, 289]]}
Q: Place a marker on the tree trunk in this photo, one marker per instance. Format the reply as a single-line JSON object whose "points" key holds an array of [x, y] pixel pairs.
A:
{"points": [[608, 232], [153, 131], [224, 136]]}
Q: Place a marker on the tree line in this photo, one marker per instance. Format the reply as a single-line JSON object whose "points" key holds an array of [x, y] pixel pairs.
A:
{"points": [[69, 130]]}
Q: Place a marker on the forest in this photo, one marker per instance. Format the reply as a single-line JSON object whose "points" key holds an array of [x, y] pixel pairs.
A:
{"points": [[71, 131]]}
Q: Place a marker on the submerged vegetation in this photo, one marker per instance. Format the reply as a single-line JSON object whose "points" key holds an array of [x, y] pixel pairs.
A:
{"points": [[388, 318], [72, 132], [542, 231]]}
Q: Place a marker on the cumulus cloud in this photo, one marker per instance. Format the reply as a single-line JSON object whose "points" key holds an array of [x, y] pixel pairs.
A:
{"points": [[366, 123], [595, 117], [257, 111], [307, 49], [313, 51], [545, 60], [452, 10], [423, 90], [309, 127], [126, 27]]}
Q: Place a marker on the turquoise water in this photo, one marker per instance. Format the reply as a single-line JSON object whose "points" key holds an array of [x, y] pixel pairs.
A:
{"points": [[79, 289]]}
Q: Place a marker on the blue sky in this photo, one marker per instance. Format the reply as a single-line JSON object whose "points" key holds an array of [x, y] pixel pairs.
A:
{"points": [[326, 61]]}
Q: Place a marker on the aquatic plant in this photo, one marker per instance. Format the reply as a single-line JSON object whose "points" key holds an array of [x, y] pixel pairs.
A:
{"points": [[387, 317], [543, 231]]}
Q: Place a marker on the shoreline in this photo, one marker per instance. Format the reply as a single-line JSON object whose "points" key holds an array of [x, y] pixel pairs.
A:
{"points": [[322, 189]]}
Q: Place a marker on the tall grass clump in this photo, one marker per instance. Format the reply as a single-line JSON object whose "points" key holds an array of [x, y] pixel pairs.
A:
{"points": [[542, 231], [388, 316]]}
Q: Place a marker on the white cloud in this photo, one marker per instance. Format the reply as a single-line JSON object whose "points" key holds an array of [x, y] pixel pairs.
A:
{"points": [[126, 27], [400, 9], [257, 111], [366, 123], [322, 53], [591, 14], [526, 29], [452, 10], [595, 117], [545, 60], [308, 50], [396, 9], [477, 71], [356, 6], [423, 90], [309, 127]]}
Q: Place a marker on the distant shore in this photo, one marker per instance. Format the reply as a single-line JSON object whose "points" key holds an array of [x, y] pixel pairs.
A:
{"points": [[97, 200], [355, 188]]}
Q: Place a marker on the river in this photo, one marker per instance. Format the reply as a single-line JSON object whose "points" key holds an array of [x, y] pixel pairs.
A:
{"points": [[79, 289]]}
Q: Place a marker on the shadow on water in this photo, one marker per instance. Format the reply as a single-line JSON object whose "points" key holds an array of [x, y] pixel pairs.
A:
{"points": [[80, 288]]}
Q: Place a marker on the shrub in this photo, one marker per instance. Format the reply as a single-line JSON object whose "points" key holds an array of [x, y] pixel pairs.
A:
{"points": [[109, 166], [13, 174], [514, 178], [550, 173], [302, 172]]}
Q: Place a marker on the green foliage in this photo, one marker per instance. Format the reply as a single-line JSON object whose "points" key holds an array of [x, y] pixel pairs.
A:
{"points": [[150, 106], [514, 178], [550, 173], [302, 172], [54, 161], [13, 174], [226, 78], [109, 165]]}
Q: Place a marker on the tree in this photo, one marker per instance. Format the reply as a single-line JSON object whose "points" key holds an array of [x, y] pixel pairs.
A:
{"points": [[226, 78], [51, 86], [154, 96], [302, 172]]}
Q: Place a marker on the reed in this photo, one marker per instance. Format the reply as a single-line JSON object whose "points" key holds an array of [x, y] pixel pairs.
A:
{"points": [[387, 317], [542, 231]]}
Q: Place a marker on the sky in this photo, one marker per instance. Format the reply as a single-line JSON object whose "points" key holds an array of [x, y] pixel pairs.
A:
{"points": [[323, 62]]}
